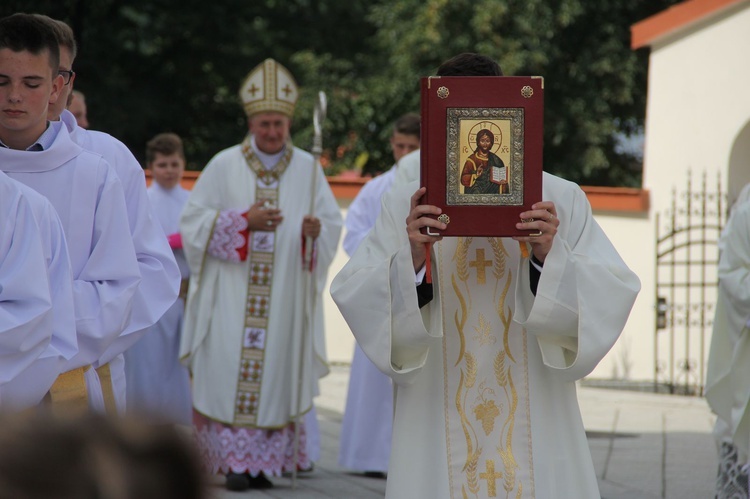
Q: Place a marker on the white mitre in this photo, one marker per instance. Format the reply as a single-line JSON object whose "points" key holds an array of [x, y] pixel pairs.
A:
{"points": [[269, 87]]}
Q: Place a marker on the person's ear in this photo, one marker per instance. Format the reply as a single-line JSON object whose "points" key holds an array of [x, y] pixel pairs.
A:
{"points": [[58, 82]]}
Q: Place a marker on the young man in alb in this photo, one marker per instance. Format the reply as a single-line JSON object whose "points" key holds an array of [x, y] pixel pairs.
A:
{"points": [[160, 276], [80, 185]]}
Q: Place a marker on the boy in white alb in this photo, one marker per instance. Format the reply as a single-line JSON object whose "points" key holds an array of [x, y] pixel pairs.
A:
{"points": [[80, 185], [158, 385], [160, 276]]}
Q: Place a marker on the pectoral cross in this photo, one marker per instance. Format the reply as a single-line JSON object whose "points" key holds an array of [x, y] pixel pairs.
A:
{"points": [[480, 264], [491, 476]]}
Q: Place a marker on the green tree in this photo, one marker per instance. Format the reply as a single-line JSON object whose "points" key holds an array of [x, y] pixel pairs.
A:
{"points": [[595, 85], [149, 66]]}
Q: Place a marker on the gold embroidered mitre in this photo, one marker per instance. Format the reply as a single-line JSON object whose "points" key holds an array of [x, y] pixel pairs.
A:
{"points": [[269, 87]]}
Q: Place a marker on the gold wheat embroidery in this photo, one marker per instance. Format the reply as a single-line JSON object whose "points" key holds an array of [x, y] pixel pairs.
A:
{"points": [[484, 332], [460, 320], [506, 317], [471, 472], [471, 370], [499, 254], [500, 374], [505, 449]]}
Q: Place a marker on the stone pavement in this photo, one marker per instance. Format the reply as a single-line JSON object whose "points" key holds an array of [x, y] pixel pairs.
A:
{"points": [[644, 446]]}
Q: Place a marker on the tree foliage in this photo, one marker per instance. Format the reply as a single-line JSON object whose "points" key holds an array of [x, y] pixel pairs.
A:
{"points": [[149, 66]]}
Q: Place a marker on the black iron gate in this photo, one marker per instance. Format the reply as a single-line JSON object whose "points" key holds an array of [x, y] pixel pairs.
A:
{"points": [[686, 259]]}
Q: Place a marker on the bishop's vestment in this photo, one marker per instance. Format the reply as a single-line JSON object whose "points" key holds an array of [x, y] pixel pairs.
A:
{"points": [[250, 322]]}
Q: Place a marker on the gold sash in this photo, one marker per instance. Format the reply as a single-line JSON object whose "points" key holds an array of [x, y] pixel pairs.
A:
{"points": [[105, 379], [68, 394], [184, 285]]}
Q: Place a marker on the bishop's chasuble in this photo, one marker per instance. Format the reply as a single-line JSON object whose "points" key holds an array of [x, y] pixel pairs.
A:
{"points": [[485, 396], [245, 337]]}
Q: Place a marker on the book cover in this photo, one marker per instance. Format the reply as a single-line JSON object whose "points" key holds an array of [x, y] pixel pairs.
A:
{"points": [[481, 151]]}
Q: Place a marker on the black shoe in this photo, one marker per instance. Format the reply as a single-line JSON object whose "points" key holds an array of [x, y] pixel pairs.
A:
{"points": [[237, 481], [259, 482], [375, 474], [309, 469]]}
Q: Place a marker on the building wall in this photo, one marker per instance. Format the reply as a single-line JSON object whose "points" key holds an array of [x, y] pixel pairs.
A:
{"points": [[697, 108]]}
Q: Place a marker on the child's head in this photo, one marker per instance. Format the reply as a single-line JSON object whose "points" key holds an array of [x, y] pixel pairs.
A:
{"points": [[165, 158], [29, 81], [405, 138]]}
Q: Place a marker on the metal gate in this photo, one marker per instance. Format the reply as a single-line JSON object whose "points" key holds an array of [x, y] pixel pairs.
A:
{"points": [[686, 262]]}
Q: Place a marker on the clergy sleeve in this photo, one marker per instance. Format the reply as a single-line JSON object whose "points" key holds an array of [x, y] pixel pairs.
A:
{"points": [[585, 293], [734, 263], [26, 318], [105, 287], [159, 273], [230, 236], [390, 329]]}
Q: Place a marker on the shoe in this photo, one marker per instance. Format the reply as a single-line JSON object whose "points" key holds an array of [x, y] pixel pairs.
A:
{"points": [[237, 482], [375, 474], [309, 469], [259, 482]]}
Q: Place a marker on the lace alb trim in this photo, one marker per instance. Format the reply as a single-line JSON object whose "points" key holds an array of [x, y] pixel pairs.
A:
{"points": [[227, 237], [226, 448]]}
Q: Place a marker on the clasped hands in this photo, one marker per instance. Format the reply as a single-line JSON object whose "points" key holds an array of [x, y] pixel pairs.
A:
{"points": [[263, 216], [542, 219]]}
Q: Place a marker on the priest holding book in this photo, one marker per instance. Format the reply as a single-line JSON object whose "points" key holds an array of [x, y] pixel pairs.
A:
{"points": [[485, 346]]}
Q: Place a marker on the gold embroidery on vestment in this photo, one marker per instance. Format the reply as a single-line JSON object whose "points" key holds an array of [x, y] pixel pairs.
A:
{"points": [[490, 475], [484, 332], [480, 264], [261, 250], [480, 367], [265, 176]]}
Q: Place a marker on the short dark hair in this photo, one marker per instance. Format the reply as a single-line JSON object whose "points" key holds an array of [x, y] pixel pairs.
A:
{"points": [[166, 144], [469, 64], [408, 124], [64, 34], [26, 32]]}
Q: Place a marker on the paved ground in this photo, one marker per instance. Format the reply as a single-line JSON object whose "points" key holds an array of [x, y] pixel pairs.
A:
{"points": [[644, 446]]}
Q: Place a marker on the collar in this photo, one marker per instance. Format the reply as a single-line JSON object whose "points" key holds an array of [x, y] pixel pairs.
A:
{"points": [[45, 140]]}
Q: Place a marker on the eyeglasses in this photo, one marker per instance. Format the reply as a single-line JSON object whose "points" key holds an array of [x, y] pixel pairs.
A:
{"points": [[67, 75]]}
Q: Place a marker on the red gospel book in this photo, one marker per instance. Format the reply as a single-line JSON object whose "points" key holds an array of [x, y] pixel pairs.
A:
{"points": [[481, 151]]}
